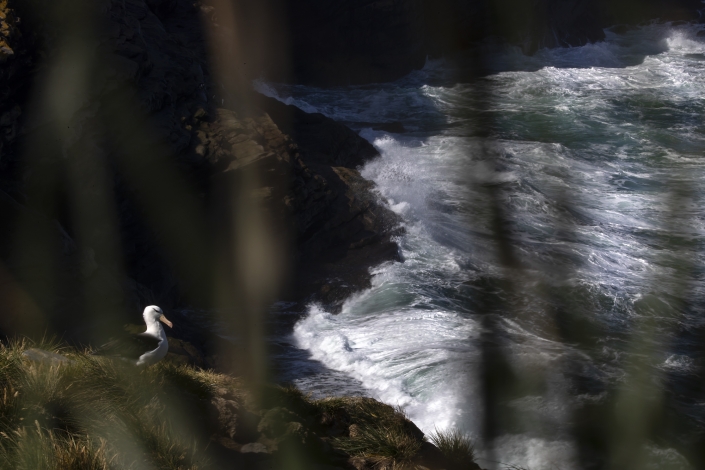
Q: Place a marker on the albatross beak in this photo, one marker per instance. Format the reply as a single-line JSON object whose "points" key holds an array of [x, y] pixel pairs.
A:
{"points": [[165, 321]]}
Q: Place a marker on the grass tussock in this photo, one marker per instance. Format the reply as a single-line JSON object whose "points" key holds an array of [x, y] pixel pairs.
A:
{"points": [[455, 446], [83, 412], [90, 412], [41, 449], [381, 442], [381, 434], [199, 382]]}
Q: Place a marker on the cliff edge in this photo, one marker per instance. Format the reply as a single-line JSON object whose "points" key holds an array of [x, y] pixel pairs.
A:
{"points": [[129, 175]]}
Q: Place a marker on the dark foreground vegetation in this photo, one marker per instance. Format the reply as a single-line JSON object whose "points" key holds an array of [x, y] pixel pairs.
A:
{"points": [[61, 408]]}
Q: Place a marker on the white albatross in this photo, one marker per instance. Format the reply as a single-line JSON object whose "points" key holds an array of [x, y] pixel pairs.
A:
{"points": [[142, 349]]}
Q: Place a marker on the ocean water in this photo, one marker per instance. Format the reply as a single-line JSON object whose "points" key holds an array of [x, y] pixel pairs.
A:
{"points": [[593, 158]]}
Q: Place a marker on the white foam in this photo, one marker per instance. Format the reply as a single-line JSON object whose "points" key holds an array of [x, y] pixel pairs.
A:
{"points": [[684, 40], [533, 453], [580, 142], [658, 458], [370, 348], [680, 363]]}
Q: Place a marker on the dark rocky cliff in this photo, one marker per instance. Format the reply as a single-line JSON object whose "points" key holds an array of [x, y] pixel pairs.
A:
{"points": [[130, 175], [362, 41]]}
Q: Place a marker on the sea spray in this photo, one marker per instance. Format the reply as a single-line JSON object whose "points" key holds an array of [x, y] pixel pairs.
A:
{"points": [[585, 147]]}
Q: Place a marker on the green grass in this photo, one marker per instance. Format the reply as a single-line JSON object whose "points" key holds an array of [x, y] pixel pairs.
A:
{"points": [[199, 382], [377, 432], [97, 413], [39, 449], [382, 442], [455, 446]]}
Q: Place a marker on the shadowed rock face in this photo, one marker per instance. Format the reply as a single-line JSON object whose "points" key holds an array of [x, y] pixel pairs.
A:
{"points": [[552, 23], [353, 42], [16, 59], [308, 176], [366, 41], [129, 172]]}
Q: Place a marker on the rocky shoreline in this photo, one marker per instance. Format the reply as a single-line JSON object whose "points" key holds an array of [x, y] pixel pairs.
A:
{"points": [[136, 169], [124, 148]]}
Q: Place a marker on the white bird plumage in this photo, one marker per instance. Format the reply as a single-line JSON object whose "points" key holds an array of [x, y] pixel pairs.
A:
{"points": [[145, 348], [153, 315]]}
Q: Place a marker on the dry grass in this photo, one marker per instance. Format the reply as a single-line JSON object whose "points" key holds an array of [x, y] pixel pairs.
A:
{"points": [[455, 446], [39, 449], [199, 382], [96, 413], [383, 442], [383, 435]]}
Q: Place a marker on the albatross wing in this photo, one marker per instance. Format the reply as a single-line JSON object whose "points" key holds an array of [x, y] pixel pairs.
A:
{"points": [[144, 348], [130, 347]]}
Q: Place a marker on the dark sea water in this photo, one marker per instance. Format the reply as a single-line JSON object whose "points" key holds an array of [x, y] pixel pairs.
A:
{"points": [[594, 156]]}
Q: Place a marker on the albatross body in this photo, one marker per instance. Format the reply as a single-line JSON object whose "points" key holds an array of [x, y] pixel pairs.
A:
{"points": [[146, 348]]}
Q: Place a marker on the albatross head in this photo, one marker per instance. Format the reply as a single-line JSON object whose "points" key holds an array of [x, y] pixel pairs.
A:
{"points": [[152, 314]]}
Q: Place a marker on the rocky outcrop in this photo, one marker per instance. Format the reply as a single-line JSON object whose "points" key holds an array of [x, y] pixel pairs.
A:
{"points": [[364, 41], [344, 233], [551, 23], [354, 42], [321, 140], [130, 158]]}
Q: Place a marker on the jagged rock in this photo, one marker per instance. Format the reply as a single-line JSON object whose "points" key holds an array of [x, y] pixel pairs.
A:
{"points": [[321, 140], [233, 420], [342, 228], [359, 463], [226, 413], [283, 432], [336, 423], [338, 223], [275, 422]]}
